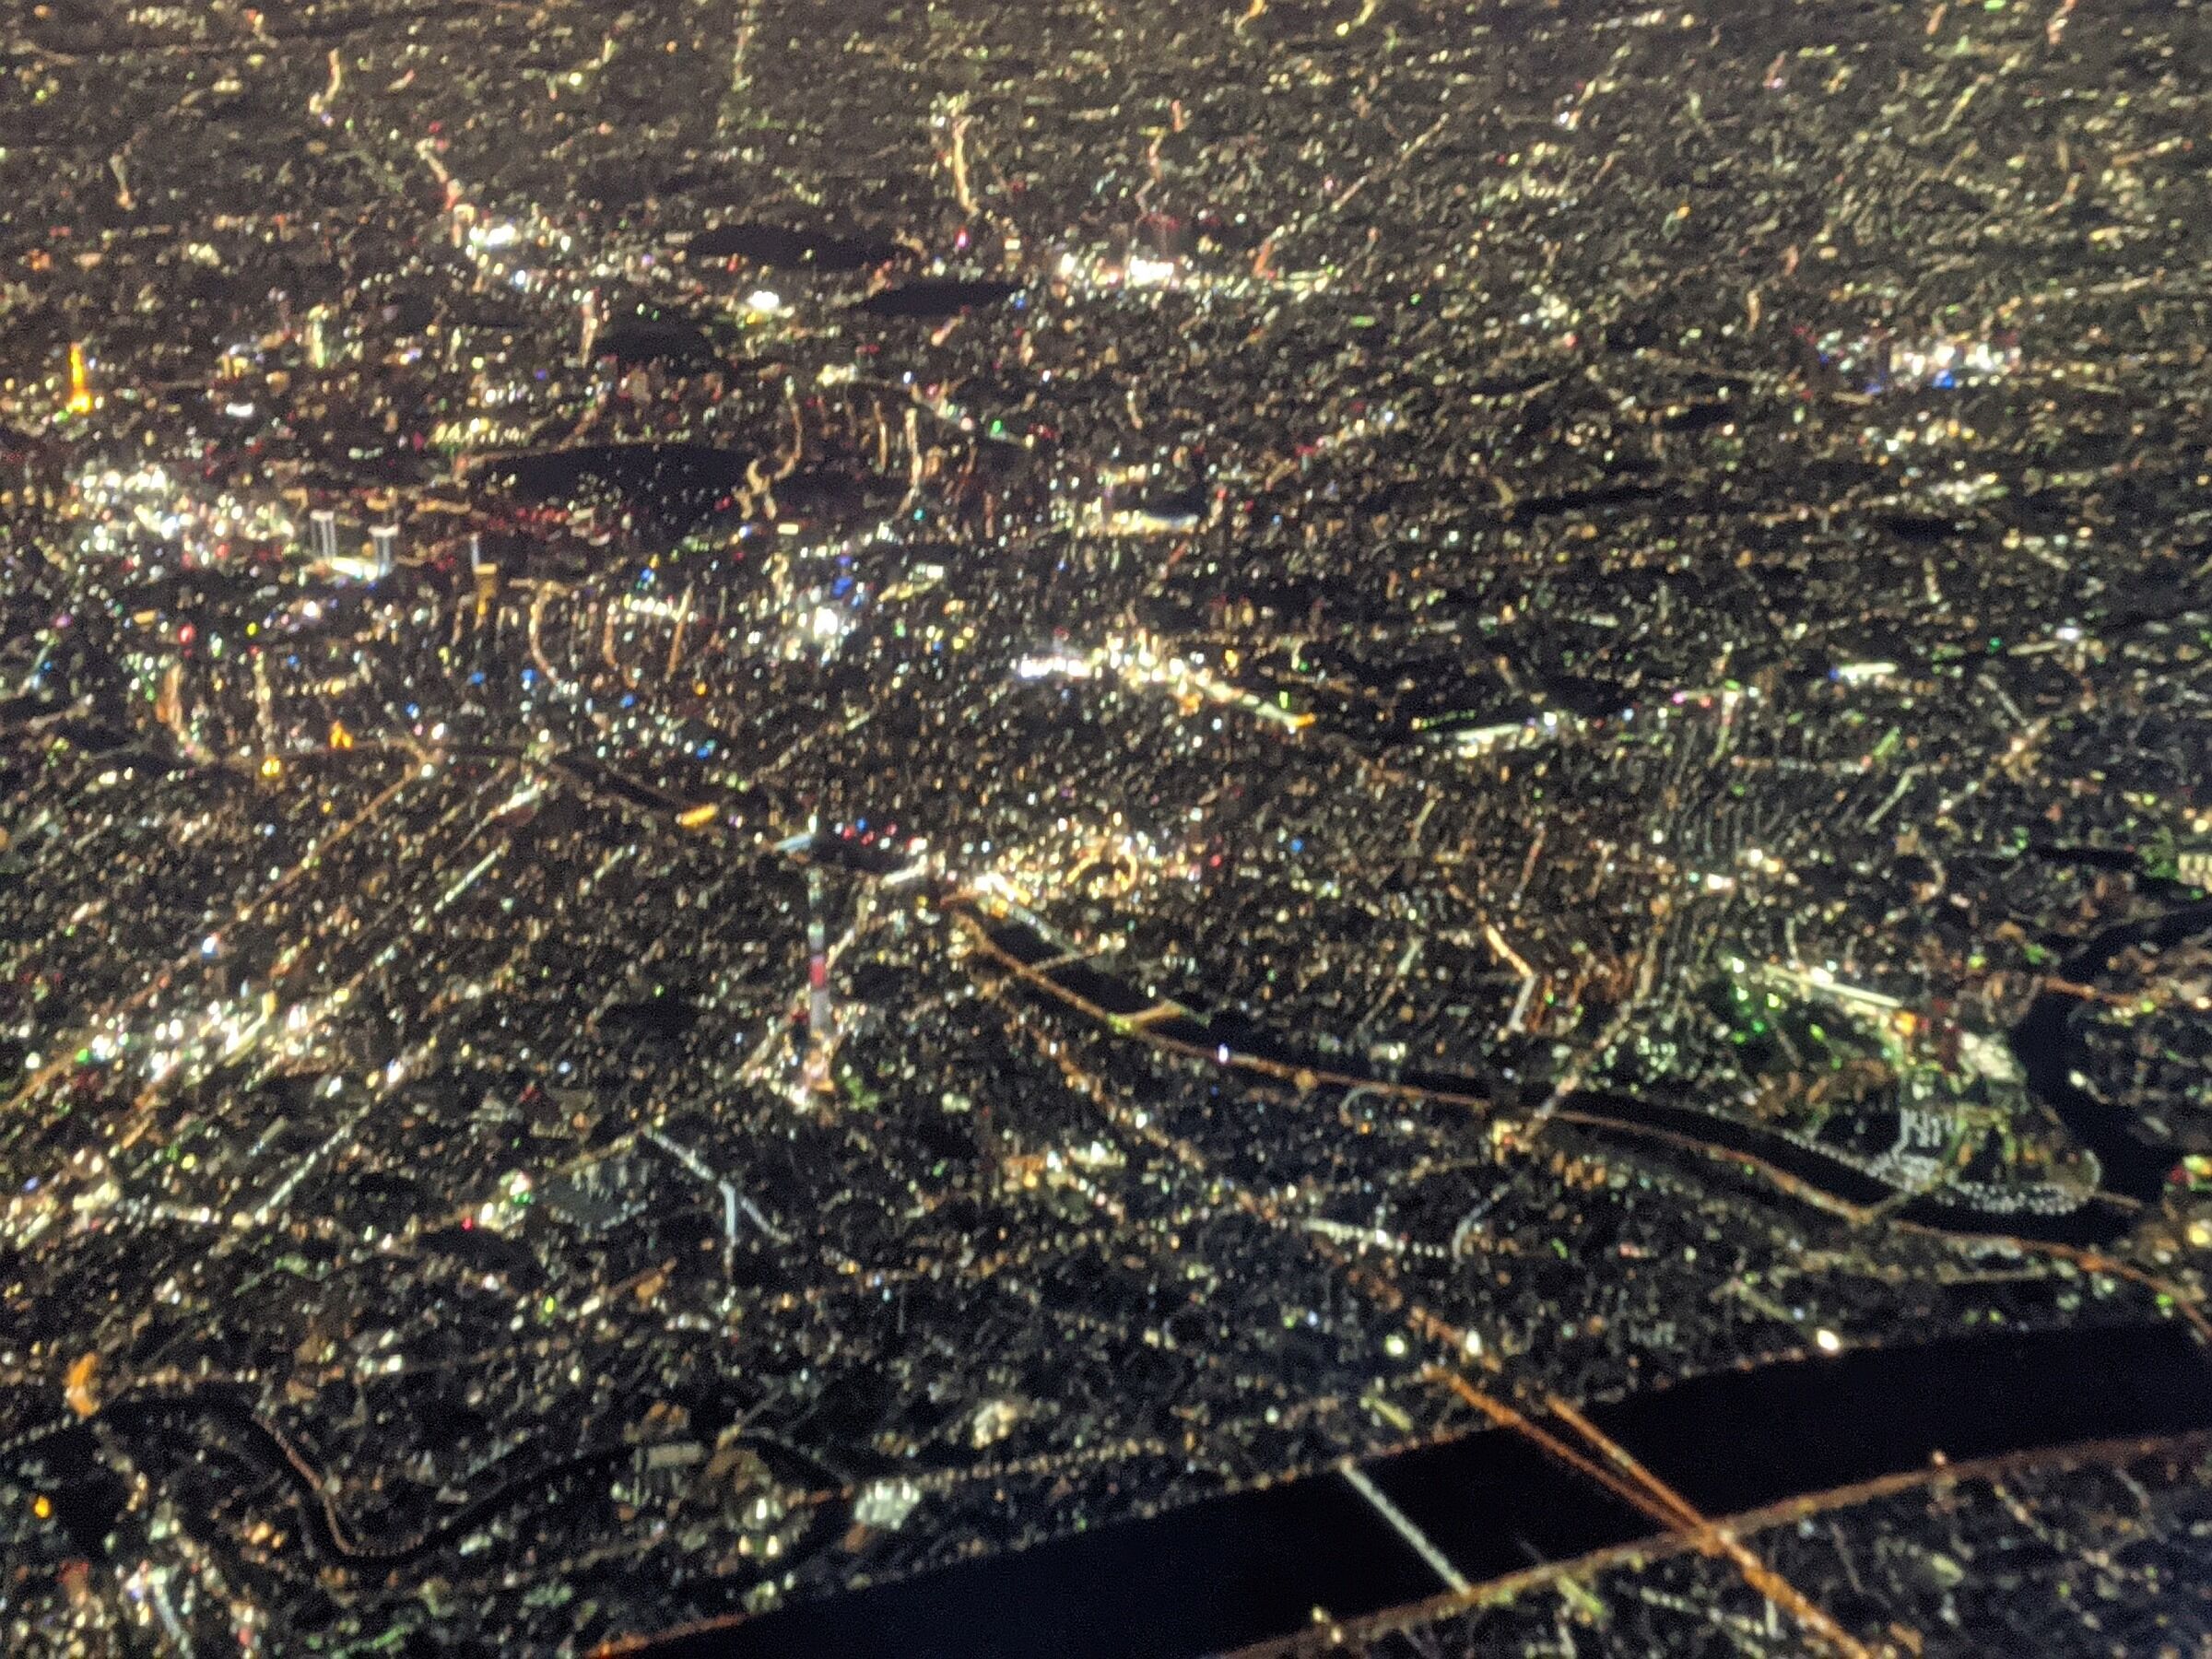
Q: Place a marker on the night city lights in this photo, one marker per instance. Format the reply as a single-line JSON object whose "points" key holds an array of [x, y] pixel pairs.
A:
{"points": [[1105, 829]]}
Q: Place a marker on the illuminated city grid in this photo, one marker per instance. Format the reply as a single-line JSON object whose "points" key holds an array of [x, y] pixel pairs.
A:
{"points": [[795, 791]]}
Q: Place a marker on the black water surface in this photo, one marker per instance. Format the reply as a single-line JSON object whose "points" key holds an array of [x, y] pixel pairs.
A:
{"points": [[1257, 1563], [2046, 1042], [2049, 1047]]}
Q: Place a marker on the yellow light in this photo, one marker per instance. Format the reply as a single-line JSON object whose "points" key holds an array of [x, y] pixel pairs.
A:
{"points": [[41, 1506], [80, 1385], [340, 738], [81, 390], [271, 767]]}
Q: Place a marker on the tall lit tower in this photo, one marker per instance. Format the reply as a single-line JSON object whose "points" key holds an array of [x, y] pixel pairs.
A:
{"points": [[383, 546], [820, 1016], [80, 385], [486, 573], [326, 525], [589, 309]]}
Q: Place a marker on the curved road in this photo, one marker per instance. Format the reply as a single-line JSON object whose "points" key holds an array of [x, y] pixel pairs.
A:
{"points": [[328, 1531], [2048, 1045]]}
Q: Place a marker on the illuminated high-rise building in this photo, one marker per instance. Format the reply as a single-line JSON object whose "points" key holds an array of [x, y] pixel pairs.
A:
{"points": [[588, 310], [821, 1015], [80, 385], [369, 564], [487, 574]]}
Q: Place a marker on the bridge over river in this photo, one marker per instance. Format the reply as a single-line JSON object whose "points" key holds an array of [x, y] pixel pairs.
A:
{"points": [[1417, 1534]]}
